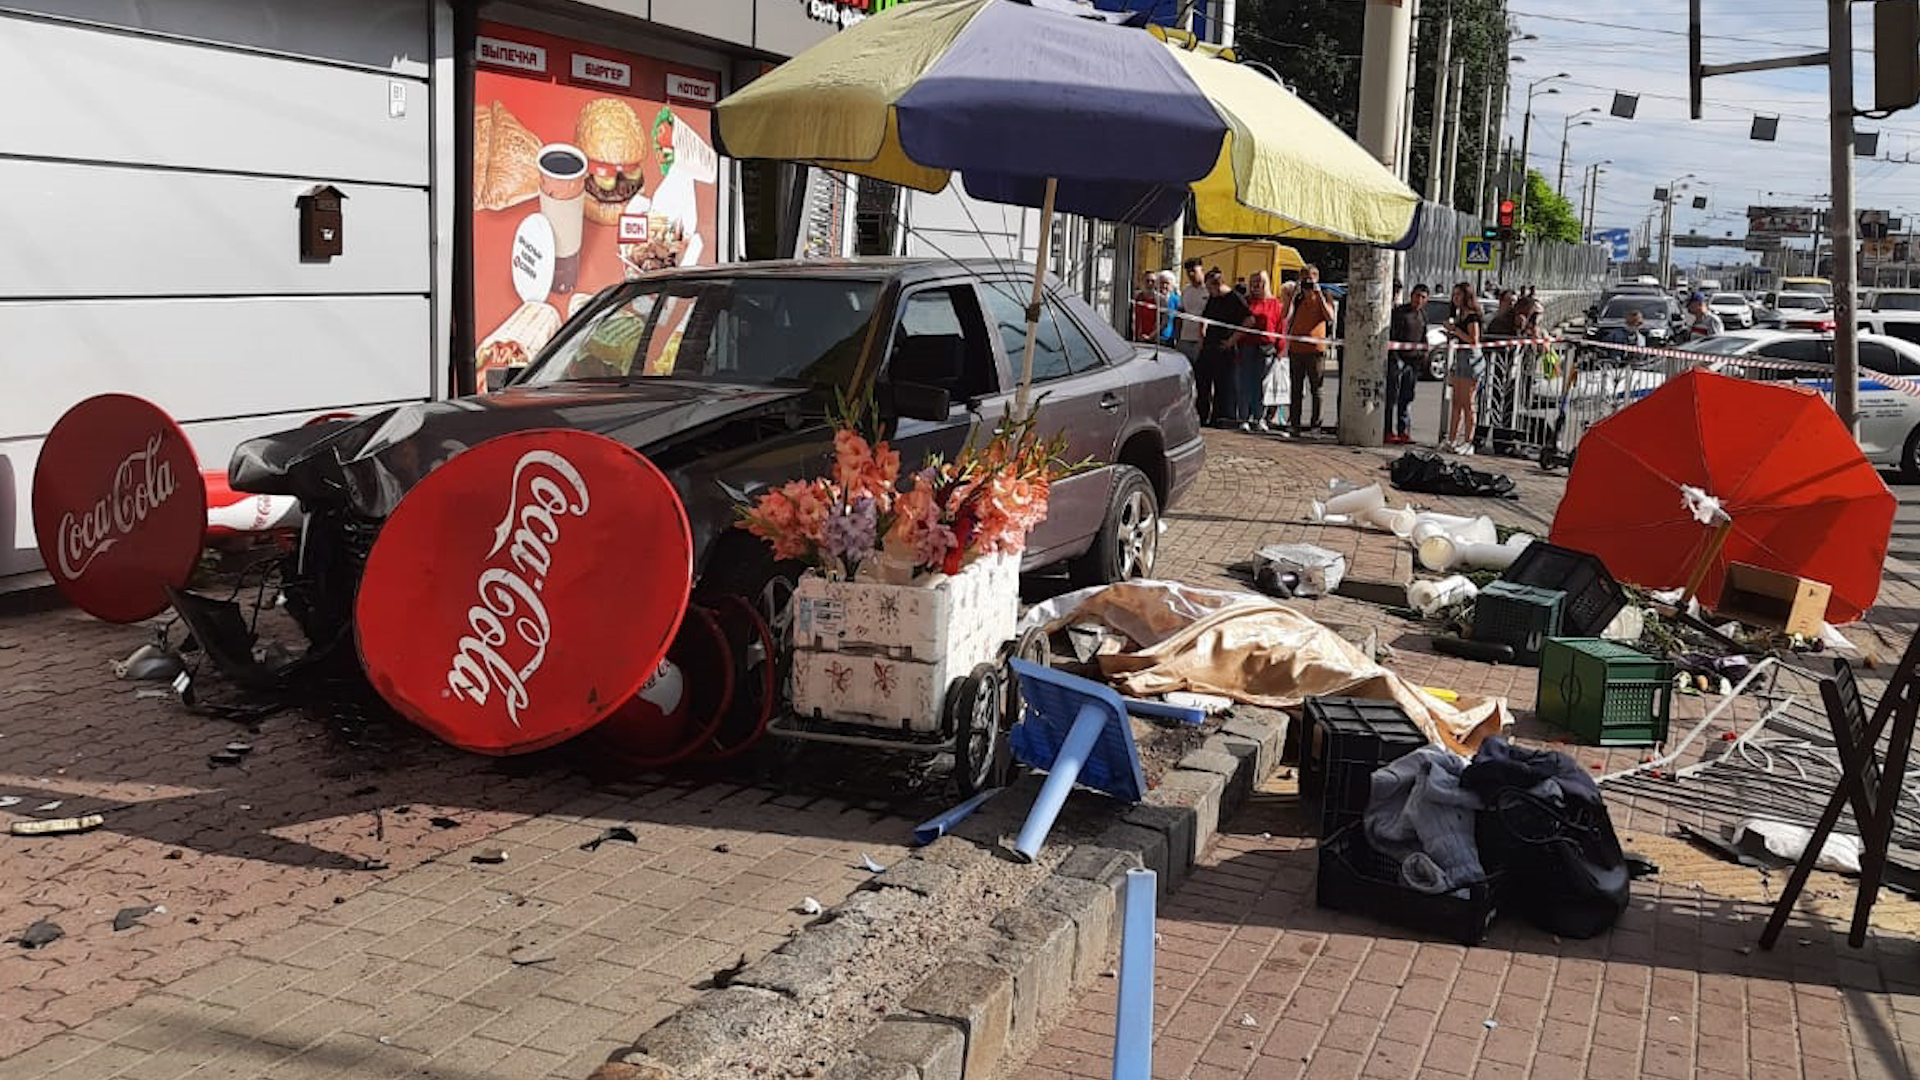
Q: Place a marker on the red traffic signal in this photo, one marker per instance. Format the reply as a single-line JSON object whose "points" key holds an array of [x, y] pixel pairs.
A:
{"points": [[1506, 213]]}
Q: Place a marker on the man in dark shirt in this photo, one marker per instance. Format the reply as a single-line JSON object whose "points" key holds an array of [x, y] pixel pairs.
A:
{"points": [[1225, 311], [1406, 326]]}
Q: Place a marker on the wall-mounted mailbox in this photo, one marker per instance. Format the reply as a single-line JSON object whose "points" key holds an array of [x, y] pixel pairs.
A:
{"points": [[320, 222]]}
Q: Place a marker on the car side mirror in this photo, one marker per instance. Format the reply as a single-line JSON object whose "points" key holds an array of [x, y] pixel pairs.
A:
{"points": [[918, 401]]}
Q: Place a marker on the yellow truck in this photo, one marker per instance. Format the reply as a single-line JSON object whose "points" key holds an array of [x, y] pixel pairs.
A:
{"points": [[1237, 259]]}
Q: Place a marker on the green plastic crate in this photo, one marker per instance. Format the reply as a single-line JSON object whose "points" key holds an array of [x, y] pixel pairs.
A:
{"points": [[1604, 693], [1523, 616]]}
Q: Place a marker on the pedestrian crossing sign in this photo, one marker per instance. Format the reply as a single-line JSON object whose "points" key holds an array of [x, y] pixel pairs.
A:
{"points": [[1476, 254]]}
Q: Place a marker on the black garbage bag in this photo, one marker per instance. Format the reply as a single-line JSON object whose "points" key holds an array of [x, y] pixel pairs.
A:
{"points": [[1564, 869], [1431, 474]]}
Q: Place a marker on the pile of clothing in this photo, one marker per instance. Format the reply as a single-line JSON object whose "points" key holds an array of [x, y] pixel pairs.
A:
{"points": [[1431, 474], [1530, 821]]}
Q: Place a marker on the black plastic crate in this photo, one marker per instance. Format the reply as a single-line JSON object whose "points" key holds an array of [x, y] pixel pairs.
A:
{"points": [[1593, 597], [1354, 877], [1522, 616], [1344, 741]]}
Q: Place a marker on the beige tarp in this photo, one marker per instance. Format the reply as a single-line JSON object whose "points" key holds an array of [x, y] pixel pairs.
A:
{"points": [[1257, 651]]}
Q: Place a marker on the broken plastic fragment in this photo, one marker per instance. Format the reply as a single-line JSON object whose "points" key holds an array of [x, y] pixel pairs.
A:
{"points": [[54, 805], [443, 823], [1247, 1021], [617, 832], [128, 918], [42, 933], [810, 906], [58, 826], [490, 855], [872, 867]]}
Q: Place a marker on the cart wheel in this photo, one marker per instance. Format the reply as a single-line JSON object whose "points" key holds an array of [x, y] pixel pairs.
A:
{"points": [[1032, 647], [755, 694], [973, 714]]}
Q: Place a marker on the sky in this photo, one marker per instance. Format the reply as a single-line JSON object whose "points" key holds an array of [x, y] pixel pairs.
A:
{"points": [[1641, 47]]}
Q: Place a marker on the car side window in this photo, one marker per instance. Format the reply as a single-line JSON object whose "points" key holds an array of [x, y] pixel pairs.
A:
{"points": [[1082, 353], [1006, 306], [1881, 357], [939, 341], [1797, 350], [1905, 331]]}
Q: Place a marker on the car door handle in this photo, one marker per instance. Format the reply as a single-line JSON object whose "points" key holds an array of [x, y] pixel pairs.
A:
{"points": [[1109, 401]]}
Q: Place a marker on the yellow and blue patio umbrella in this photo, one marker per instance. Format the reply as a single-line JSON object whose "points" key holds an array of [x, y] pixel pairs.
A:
{"points": [[1036, 107]]}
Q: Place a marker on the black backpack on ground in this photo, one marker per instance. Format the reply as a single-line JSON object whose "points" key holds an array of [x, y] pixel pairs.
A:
{"points": [[1564, 868]]}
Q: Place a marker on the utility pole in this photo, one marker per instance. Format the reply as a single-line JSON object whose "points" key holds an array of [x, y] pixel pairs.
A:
{"points": [[1450, 195], [1846, 335], [1176, 238], [1486, 148], [1437, 131], [1363, 368]]}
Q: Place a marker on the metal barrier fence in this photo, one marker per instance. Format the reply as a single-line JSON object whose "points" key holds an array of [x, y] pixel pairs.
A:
{"points": [[1548, 265]]}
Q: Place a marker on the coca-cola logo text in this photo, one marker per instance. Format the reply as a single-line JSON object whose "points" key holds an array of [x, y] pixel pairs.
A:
{"points": [[510, 616], [141, 483]]}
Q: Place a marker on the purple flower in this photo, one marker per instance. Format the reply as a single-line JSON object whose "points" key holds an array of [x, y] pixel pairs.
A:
{"points": [[850, 534]]}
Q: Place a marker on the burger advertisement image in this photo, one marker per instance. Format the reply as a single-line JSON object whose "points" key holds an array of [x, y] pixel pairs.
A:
{"points": [[591, 166]]}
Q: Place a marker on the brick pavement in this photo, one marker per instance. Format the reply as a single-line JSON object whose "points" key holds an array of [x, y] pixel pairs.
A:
{"points": [[1254, 980], [313, 907], [282, 954]]}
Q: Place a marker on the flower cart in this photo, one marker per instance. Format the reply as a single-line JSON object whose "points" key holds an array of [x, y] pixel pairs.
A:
{"points": [[904, 621]]}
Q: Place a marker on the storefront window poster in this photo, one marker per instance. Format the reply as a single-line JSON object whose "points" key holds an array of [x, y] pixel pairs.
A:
{"points": [[590, 167]]}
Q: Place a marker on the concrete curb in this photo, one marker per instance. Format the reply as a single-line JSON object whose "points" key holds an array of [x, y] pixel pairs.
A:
{"points": [[972, 1010]]}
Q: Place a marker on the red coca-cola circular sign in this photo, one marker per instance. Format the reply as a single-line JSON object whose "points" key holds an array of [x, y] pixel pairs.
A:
{"points": [[525, 589], [118, 507]]}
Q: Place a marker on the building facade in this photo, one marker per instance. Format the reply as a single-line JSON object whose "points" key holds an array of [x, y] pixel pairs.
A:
{"points": [[494, 163]]}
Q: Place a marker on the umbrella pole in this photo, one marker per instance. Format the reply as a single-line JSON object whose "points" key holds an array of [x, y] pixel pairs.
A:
{"points": [[1714, 547], [1041, 250]]}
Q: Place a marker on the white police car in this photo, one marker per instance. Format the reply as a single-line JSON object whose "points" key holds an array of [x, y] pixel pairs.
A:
{"points": [[1889, 418]]}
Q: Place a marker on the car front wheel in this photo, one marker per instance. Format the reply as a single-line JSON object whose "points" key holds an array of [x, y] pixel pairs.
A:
{"points": [[1129, 538], [1436, 364], [1910, 458]]}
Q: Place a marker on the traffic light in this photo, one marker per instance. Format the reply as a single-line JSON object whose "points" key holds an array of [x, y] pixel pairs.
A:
{"points": [[1896, 55], [1488, 232], [1506, 213]]}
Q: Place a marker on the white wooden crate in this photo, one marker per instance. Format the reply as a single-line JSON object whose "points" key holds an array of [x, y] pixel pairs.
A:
{"points": [[885, 655]]}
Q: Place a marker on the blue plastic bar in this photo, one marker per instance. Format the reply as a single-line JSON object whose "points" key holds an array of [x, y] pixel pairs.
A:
{"points": [[1133, 1029], [1060, 779], [936, 827], [1162, 710]]}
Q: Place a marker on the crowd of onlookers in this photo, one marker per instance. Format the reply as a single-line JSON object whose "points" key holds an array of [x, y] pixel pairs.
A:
{"points": [[1261, 355]]}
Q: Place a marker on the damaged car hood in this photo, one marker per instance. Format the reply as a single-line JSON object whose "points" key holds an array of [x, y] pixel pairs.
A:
{"points": [[370, 463]]}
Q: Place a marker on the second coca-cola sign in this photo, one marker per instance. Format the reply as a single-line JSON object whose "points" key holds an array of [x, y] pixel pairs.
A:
{"points": [[524, 590], [119, 506]]}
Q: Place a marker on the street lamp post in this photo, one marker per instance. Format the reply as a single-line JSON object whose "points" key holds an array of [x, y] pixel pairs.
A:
{"points": [[1526, 135], [1566, 128], [1590, 197], [1666, 230]]}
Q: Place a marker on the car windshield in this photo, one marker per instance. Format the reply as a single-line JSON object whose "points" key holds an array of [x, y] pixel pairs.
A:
{"points": [[1800, 302], [1649, 308], [1730, 299], [1897, 302], [747, 329]]}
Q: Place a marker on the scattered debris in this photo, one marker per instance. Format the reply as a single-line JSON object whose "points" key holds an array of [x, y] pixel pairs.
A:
{"points": [[222, 757], [374, 864], [531, 953], [150, 694], [148, 662], [1303, 570], [9, 800], [443, 822], [128, 918], [490, 855], [58, 826], [617, 832], [42, 933], [239, 748], [1490, 1023], [810, 906], [1211, 704], [722, 848], [176, 853], [356, 793], [1247, 1021], [871, 866], [44, 807]]}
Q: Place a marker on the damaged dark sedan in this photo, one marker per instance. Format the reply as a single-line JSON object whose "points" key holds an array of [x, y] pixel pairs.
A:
{"points": [[723, 377]]}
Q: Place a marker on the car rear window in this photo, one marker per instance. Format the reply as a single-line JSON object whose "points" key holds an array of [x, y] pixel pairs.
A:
{"points": [[1897, 302], [1651, 309]]}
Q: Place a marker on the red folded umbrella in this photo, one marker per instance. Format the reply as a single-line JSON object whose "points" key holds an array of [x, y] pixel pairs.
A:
{"points": [[1801, 497]]}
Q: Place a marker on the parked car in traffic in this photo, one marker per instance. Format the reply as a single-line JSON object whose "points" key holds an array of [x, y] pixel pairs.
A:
{"points": [[724, 377], [1890, 300], [1660, 318], [1733, 309], [1796, 310]]}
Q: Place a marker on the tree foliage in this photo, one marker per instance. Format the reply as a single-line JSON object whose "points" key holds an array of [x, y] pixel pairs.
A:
{"points": [[1549, 216], [1315, 46]]}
